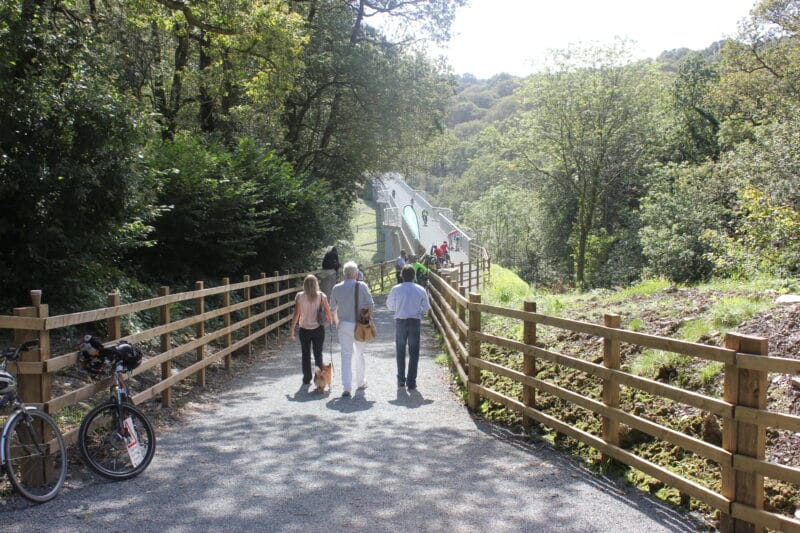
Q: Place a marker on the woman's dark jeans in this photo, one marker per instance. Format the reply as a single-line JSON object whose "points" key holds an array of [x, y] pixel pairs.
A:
{"points": [[307, 338]]}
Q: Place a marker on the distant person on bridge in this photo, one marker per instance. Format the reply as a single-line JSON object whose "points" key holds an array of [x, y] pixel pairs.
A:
{"points": [[330, 263], [425, 217], [399, 263], [343, 304], [445, 253], [306, 304], [409, 302], [393, 193]]}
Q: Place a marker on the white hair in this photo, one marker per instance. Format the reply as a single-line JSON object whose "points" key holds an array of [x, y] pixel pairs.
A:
{"points": [[350, 270]]}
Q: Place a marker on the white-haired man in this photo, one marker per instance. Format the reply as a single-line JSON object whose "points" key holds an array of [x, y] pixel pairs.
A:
{"points": [[343, 304]]}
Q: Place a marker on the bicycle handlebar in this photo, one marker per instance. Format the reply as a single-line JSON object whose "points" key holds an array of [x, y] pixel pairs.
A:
{"points": [[12, 354]]}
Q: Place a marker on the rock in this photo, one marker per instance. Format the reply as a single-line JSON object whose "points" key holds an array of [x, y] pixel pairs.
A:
{"points": [[788, 299], [797, 513], [796, 382]]}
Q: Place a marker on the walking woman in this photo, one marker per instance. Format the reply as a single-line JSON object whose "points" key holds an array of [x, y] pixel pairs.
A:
{"points": [[312, 332]]}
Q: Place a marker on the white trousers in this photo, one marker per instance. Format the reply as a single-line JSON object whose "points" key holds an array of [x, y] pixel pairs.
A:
{"points": [[351, 349]]}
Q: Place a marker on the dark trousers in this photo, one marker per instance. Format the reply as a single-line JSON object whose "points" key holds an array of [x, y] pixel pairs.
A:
{"points": [[407, 334], [307, 338]]}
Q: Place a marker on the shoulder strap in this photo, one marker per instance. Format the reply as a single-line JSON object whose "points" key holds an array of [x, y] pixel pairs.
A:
{"points": [[356, 301]]}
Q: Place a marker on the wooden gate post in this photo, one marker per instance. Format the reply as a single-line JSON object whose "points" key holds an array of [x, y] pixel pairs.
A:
{"points": [[474, 397], [200, 331], [611, 359], [529, 338], [34, 388], [227, 338], [166, 366], [746, 388], [248, 312], [114, 324]]}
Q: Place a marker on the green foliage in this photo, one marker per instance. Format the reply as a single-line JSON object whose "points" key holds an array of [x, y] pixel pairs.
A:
{"points": [[585, 137], [231, 211], [696, 329], [505, 288], [709, 373], [683, 202], [73, 196], [659, 365], [765, 242], [731, 311], [646, 287]]}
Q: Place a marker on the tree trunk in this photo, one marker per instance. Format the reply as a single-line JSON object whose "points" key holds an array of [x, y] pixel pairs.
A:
{"points": [[206, 116]]}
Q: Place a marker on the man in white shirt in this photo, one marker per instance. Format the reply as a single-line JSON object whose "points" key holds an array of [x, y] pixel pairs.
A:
{"points": [[409, 302]]}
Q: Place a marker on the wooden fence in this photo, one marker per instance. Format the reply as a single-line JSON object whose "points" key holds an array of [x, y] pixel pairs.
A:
{"points": [[742, 408], [207, 325]]}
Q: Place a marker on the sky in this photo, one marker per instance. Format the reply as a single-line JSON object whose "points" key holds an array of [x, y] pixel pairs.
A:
{"points": [[513, 36]]}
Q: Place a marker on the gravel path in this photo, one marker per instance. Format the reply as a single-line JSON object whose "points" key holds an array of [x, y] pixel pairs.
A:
{"points": [[271, 456]]}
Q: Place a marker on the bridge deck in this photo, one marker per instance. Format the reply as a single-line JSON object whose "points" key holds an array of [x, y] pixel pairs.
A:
{"points": [[267, 455]]}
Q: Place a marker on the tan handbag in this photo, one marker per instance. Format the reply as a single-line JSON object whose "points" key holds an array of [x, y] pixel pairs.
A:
{"points": [[365, 326]]}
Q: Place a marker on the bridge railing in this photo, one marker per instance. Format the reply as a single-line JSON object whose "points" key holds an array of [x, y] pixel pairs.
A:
{"points": [[600, 420], [193, 329]]}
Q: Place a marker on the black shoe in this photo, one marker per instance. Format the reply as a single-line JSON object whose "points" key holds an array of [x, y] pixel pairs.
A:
{"points": [[307, 382], [412, 387], [401, 383]]}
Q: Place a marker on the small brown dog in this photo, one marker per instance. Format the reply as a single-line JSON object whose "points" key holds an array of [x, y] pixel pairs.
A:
{"points": [[323, 377]]}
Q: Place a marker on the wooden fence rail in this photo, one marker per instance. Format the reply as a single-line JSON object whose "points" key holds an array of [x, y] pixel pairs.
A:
{"points": [[742, 408], [244, 313]]}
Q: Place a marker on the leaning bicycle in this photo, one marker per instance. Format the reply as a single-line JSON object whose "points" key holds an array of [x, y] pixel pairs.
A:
{"points": [[115, 439], [32, 449]]}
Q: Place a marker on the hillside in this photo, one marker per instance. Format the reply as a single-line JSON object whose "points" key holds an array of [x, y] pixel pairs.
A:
{"points": [[703, 313]]}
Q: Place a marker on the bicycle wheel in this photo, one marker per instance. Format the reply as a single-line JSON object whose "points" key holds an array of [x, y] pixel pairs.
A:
{"points": [[35, 454], [117, 450]]}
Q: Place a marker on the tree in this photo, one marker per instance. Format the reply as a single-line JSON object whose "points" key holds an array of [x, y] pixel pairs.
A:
{"points": [[364, 97], [685, 204], [697, 115], [587, 135], [73, 195]]}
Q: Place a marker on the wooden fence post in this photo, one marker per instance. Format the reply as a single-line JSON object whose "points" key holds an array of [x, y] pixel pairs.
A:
{"points": [[474, 397], [114, 324], [34, 388], [611, 359], [529, 338], [383, 274], [264, 306], [248, 312], [276, 286], [200, 331], [227, 339], [462, 315], [166, 366], [461, 273], [746, 388]]}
